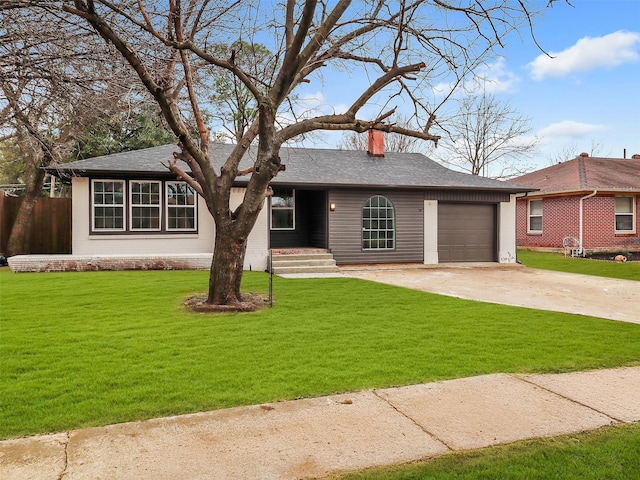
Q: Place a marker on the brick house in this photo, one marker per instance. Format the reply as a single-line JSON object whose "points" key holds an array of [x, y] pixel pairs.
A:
{"points": [[587, 203]]}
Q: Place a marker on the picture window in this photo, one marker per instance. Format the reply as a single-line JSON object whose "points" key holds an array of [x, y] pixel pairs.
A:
{"points": [[378, 224]]}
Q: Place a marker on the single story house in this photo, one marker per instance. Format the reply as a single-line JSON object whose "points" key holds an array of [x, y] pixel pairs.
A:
{"points": [[587, 203], [361, 207]]}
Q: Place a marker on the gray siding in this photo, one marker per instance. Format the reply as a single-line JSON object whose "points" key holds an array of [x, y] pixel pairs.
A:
{"points": [[345, 227], [474, 196]]}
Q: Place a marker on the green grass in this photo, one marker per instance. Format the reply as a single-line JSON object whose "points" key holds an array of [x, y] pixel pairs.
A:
{"points": [[608, 453], [557, 261], [93, 348]]}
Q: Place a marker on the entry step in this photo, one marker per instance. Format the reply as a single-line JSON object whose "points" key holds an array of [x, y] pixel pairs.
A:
{"points": [[307, 262]]}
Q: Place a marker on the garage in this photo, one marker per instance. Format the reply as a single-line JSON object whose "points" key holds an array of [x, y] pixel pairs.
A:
{"points": [[466, 232]]}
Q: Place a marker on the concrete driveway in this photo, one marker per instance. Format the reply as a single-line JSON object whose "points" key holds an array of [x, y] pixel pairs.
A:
{"points": [[516, 285]]}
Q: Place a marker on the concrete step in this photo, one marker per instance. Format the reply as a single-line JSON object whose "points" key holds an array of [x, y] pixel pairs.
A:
{"points": [[316, 262], [311, 263], [302, 256], [305, 269]]}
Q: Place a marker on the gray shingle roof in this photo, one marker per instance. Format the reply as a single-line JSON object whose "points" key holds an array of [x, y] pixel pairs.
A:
{"points": [[304, 167]]}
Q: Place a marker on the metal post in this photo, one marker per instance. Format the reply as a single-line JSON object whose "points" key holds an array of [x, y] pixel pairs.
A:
{"points": [[270, 278]]}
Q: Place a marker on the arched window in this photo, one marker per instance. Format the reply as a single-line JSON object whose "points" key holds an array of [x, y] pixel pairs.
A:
{"points": [[378, 224]]}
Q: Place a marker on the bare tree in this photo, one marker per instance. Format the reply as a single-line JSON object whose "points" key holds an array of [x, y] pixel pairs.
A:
{"points": [[55, 80], [572, 151], [487, 137], [403, 48]]}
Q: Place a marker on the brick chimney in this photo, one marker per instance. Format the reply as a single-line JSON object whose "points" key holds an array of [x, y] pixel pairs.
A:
{"points": [[376, 143], [636, 156], [584, 154]]}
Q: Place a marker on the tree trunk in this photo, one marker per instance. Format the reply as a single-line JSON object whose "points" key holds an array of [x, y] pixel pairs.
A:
{"points": [[19, 238], [226, 269]]}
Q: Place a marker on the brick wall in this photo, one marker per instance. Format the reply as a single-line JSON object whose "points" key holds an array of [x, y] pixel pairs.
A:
{"points": [[560, 218]]}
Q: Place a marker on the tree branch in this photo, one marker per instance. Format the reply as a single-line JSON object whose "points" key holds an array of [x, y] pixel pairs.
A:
{"points": [[181, 174]]}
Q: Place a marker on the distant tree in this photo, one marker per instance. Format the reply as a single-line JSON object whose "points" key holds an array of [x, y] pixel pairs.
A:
{"points": [[52, 86], [233, 105], [11, 163], [572, 151], [487, 137], [122, 133]]}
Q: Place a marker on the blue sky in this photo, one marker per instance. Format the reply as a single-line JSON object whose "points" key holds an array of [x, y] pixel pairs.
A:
{"points": [[590, 91], [587, 95]]}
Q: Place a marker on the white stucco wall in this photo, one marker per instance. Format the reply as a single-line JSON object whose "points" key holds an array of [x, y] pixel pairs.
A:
{"points": [[430, 231], [83, 243], [507, 231], [257, 254]]}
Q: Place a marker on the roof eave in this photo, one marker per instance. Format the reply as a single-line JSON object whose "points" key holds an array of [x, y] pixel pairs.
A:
{"points": [[584, 191], [386, 186]]}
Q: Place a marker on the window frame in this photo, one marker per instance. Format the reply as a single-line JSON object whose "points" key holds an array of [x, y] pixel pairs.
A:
{"points": [[388, 207], [133, 205], [121, 206], [277, 208], [631, 214], [127, 208], [167, 207], [531, 216]]}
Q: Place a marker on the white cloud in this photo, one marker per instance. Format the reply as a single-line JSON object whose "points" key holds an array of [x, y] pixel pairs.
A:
{"points": [[490, 78], [493, 78], [569, 128], [587, 54]]}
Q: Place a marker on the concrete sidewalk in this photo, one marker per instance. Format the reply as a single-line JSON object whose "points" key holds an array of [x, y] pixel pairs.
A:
{"points": [[322, 436]]}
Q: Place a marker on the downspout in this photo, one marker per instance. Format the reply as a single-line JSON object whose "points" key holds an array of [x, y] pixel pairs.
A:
{"points": [[581, 217]]}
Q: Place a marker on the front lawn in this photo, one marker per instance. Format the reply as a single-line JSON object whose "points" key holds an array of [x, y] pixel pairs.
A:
{"points": [[557, 261], [93, 348]]}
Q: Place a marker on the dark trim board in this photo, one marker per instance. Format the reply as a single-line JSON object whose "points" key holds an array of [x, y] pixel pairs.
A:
{"points": [[474, 196]]}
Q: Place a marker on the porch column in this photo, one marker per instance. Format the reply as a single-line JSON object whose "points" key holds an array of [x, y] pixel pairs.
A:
{"points": [[430, 231], [507, 231]]}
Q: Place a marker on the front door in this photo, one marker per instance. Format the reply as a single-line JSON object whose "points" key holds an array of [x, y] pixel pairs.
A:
{"points": [[298, 218]]}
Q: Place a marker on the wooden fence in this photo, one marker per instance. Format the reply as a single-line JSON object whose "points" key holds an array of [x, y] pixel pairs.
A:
{"points": [[50, 226]]}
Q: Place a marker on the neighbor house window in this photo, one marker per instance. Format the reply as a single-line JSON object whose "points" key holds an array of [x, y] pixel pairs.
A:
{"points": [[535, 216], [378, 224], [108, 205], [181, 206], [283, 204], [625, 214], [145, 205]]}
